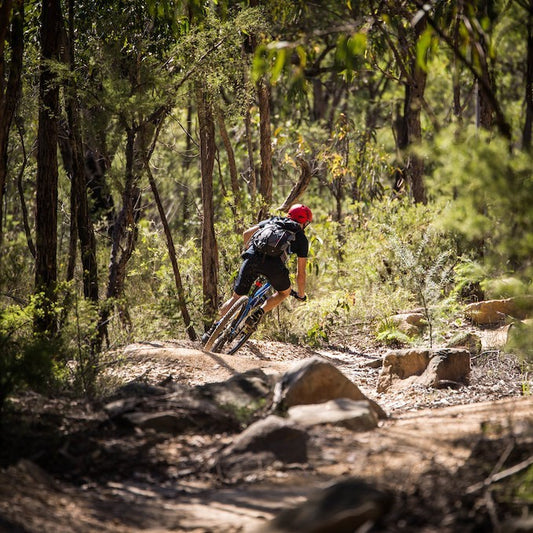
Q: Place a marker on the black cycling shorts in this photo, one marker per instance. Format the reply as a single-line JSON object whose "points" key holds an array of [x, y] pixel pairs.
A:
{"points": [[270, 267]]}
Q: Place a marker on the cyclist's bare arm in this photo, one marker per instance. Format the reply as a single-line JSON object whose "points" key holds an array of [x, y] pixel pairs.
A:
{"points": [[301, 276]]}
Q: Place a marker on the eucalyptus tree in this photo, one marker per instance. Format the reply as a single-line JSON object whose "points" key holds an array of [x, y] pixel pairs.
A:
{"points": [[323, 80], [213, 49], [132, 91], [46, 203], [11, 33]]}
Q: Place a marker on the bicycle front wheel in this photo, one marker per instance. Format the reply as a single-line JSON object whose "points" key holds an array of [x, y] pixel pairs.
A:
{"points": [[224, 330]]}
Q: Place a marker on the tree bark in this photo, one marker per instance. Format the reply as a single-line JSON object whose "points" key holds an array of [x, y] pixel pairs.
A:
{"points": [[300, 186], [11, 16], [124, 238], [84, 224], [408, 127], [414, 93], [172, 255], [47, 171], [263, 97], [528, 123], [232, 165], [209, 243], [20, 188], [252, 178]]}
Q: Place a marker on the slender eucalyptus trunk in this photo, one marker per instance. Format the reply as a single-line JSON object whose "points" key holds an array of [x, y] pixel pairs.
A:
{"points": [[124, 238], [528, 123], [263, 97], [84, 224], [232, 164], [47, 171], [11, 18], [173, 260], [209, 243]]}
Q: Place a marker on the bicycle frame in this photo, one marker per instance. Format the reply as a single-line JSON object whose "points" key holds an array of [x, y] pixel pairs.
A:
{"points": [[257, 298], [232, 326]]}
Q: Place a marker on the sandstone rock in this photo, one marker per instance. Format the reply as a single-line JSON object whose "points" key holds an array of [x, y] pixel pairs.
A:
{"points": [[401, 364], [314, 381], [162, 422], [469, 341], [344, 507], [354, 415], [244, 394], [430, 368], [494, 312], [175, 415], [447, 365], [409, 323], [285, 439]]}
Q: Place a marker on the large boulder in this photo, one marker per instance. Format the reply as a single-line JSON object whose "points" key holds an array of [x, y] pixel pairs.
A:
{"points": [[447, 367], [354, 415], [467, 340], [400, 365], [315, 381], [284, 439], [409, 323], [494, 312], [244, 395], [430, 368], [344, 507], [177, 415]]}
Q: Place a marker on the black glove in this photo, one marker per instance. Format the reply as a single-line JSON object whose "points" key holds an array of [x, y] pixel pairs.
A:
{"points": [[294, 294]]}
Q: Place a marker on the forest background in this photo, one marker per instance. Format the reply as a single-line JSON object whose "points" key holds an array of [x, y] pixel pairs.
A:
{"points": [[138, 139]]}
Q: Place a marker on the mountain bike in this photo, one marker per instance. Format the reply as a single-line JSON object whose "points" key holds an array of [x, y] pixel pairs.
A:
{"points": [[232, 331]]}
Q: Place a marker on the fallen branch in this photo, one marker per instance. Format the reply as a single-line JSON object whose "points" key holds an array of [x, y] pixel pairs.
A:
{"points": [[494, 478]]}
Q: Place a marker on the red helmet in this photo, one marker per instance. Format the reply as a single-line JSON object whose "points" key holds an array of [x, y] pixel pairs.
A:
{"points": [[300, 213]]}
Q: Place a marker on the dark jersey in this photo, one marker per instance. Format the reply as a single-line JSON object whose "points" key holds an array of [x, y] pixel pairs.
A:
{"points": [[300, 245]]}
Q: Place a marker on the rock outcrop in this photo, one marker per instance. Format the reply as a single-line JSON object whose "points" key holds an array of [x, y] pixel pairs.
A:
{"points": [[430, 368], [316, 381]]}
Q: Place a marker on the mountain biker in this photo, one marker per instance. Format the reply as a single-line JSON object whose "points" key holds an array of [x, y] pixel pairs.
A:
{"points": [[273, 268]]}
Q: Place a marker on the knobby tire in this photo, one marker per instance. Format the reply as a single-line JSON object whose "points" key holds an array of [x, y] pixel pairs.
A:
{"points": [[218, 338]]}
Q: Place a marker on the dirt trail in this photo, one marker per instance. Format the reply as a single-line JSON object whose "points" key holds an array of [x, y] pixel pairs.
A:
{"points": [[428, 438]]}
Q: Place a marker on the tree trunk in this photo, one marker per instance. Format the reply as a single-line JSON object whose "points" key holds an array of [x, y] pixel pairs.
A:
{"points": [[47, 171], [414, 93], [232, 165], [11, 15], [252, 179], [172, 255], [209, 243], [20, 188], [408, 127], [124, 238], [528, 123], [263, 97], [300, 186], [84, 225]]}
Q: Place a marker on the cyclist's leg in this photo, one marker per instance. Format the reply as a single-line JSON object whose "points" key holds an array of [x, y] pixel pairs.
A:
{"points": [[243, 283], [277, 273], [276, 299]]}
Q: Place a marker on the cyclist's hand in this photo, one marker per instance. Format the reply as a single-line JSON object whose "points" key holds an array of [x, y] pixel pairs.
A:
{"points": [[294, 294]]}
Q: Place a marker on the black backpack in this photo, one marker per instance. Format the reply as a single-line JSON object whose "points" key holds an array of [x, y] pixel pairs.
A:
{"points": [[275, 237]]}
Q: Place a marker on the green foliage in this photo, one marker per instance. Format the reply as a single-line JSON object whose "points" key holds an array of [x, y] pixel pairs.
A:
{"points": [[24, 359], [423, 273], [389, 334], [487, 192], [520, 341]]}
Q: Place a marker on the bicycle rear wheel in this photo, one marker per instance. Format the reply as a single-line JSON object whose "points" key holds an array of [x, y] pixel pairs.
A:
{"points": [[222, 332]]}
